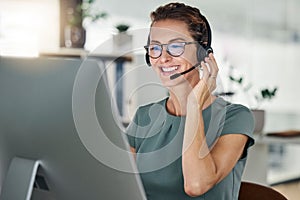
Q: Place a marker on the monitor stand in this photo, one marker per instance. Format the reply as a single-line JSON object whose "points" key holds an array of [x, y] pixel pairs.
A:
{"points": [[19, 180]]}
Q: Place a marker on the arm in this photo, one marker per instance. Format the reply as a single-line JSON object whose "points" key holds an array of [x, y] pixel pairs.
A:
{"points": [[203, 167]]}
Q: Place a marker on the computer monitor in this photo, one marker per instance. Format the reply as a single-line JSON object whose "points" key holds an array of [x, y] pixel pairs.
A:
{"points": [[60, 135]]}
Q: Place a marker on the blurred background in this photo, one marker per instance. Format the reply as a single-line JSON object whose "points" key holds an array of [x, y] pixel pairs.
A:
{"points": [[258, 41], [257, 45]]}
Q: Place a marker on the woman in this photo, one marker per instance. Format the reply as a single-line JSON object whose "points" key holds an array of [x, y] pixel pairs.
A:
{"points": [[192, 144]]}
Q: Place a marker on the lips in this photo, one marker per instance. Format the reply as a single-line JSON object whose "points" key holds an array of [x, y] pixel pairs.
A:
{"points": [[169, 70]]}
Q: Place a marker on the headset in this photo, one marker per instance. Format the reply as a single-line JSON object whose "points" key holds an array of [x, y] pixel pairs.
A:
{"points": [[202, 51]]}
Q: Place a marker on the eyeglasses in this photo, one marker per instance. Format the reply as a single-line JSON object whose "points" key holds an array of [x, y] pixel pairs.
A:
{"points": [[174, 49]]}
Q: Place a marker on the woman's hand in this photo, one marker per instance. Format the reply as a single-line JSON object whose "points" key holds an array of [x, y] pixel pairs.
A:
{"points": [[203, 166], [207, 83]]}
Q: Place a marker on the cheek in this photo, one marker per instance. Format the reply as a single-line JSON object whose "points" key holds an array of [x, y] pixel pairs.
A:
{"points": [[155, 68], [191, 57], [153, 62]]}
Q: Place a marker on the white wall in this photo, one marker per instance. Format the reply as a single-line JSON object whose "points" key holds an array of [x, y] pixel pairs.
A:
{"points": [[258, 38], [265, 63]]}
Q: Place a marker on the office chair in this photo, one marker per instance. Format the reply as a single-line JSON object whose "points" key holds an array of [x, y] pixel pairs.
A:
{"points": [[253, 191]]}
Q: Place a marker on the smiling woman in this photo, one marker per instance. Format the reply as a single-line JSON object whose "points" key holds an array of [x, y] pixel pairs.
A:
{"points": [[26, 27], [190, 144]]}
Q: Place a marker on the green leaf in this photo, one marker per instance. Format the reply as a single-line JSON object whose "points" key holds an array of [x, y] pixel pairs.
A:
{"points": [[240, 80], [122, 27], [231, 78], [274, 91]]}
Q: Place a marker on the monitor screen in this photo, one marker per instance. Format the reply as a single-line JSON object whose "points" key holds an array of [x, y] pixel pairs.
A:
{"points": [[60, 136]]}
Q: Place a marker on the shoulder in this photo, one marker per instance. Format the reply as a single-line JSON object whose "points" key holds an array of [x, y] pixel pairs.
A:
{"points": [[238, 119], [147, 111], [223, 118], [240, 113], [150, 106], [235, 110], [239, 110], [138, 128]]}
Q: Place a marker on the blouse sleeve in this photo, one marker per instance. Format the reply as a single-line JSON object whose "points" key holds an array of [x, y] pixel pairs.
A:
{"points": [[239, 120]]}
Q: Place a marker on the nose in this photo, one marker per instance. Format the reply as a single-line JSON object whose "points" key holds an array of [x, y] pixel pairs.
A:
{"points": [[165, 56]]}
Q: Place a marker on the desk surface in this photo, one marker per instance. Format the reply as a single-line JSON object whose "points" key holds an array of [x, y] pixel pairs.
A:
{"points": [[264, 139], [283, 152], [284, 163], [280, 121], [81, 53]]}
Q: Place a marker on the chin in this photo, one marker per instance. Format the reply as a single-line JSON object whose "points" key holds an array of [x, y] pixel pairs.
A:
{"points": [[168, 83]]}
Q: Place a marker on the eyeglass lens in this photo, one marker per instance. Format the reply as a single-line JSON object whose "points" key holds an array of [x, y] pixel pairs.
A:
{"points": [[174, 49]]}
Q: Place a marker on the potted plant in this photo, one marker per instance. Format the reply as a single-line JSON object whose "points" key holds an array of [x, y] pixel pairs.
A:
{"points": [[259, 114], [75, 33], [263, 95], [122, 40], [122, 28]]}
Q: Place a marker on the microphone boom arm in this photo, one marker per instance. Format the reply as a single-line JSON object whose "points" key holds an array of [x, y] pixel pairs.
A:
{"points": [[184, 72]]}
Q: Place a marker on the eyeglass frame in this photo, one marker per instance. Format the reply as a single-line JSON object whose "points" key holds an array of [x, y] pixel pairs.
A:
{"points": [[167, 49]]}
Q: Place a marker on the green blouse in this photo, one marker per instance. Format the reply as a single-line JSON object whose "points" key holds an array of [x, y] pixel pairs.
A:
{"points": [[157, 137]]}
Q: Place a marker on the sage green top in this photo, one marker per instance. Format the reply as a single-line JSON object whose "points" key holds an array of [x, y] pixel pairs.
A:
{"points": [[157, 137]]}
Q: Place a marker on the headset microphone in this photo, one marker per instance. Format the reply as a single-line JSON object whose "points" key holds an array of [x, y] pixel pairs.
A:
{"points": [[184, 72]]}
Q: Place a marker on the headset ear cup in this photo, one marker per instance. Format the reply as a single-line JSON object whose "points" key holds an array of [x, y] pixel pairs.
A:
{"points": [[209, 50], [147, 59], [201, 53]]}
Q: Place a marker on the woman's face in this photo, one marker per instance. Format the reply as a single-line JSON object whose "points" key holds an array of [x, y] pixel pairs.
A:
{"points": [[170, 31]]}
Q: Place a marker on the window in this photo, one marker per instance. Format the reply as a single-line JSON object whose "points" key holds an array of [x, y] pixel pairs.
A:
{"points": [[26, 27]]}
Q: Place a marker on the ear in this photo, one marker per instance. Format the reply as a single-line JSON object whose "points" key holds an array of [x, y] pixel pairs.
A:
{"points": [[147, 59]]}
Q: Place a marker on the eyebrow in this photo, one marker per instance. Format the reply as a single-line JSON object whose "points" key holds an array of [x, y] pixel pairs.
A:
{"points": [[170, 41]]}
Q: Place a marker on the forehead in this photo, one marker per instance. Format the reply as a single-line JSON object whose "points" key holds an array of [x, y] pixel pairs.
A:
{"points": [[166, 30]]}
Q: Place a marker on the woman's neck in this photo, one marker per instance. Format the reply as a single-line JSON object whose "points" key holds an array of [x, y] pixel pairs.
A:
{"points": [[176, 104], [177, 101]]}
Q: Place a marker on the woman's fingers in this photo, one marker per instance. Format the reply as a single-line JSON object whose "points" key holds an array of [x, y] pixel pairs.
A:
{"points": [[205, 71], [212, 65], [213, 72], [207, 83]]}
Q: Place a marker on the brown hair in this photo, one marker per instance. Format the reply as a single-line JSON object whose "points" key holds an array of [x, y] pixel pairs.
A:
{"points": [[195, 21]]}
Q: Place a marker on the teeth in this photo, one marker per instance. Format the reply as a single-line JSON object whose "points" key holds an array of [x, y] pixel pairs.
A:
{"points": [[169, 69]]}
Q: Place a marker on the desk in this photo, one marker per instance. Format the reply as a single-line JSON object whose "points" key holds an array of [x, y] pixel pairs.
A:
{"points": [[81, 53], [119, 60], [275, 160], [65, 53]]}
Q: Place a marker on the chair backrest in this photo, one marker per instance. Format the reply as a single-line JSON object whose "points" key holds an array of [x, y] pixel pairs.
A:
{"points": [[253, 191]]}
